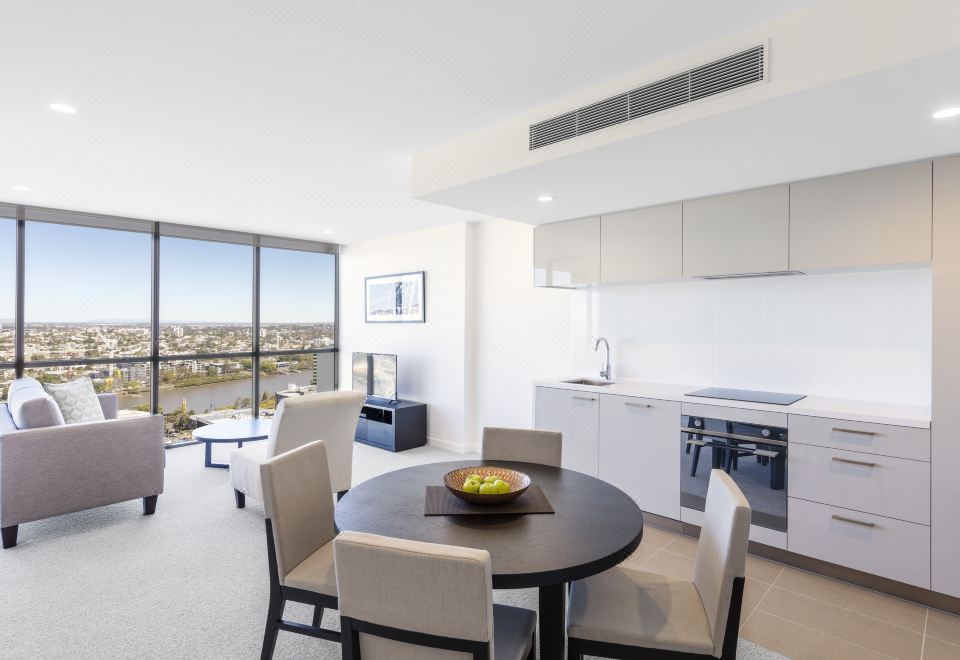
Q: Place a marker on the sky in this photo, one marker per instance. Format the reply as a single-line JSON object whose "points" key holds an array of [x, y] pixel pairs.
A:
{"points": [[78, 274]]}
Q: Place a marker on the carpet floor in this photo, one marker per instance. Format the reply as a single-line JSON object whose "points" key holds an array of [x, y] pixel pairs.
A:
{"points": [[188, 582]]}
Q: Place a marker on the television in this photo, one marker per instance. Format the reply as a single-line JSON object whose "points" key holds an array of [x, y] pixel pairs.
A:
{"points": [[375, 374]]}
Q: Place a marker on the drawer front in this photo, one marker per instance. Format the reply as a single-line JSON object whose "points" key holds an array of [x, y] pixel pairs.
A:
{"points": [[898, 441], [886, 486], [881, 546]]}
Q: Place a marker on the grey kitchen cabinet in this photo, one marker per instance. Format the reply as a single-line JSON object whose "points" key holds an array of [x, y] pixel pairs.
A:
{"points": [[567, 254], [640, 451], [576, 415], [944, 448], [743, 232], [642, 244], [870, 218]]}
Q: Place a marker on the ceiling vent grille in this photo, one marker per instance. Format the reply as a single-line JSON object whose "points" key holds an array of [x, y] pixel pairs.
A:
{"points": [[737, 70]]}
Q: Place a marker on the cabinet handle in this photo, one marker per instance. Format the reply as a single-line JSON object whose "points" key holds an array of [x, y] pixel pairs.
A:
{"points": [[854, 431], [585, 398], [853, 522], [637, 405], [837, 459]]}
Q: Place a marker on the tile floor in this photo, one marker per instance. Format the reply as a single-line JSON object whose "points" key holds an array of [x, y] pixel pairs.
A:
{"points": [[803, 615]]}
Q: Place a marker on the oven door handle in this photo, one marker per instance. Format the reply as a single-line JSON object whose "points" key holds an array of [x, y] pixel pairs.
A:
{"points": [[734, 436]]}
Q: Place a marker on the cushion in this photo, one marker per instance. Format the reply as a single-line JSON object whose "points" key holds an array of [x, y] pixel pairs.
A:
{"points": [[30, 406], [77, 400], [315, 573], [636, 608], [6, 420], [245, 469]]}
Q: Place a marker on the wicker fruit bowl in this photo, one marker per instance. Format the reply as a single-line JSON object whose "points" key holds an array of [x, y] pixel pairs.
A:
{"points": [[518, 482]]}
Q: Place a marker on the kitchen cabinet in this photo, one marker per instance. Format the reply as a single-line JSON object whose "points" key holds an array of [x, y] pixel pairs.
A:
{"points": [[576, 415], [744, 232], [640, 451], [567, 254], [870, 218], [945, 448], [642, 244]]}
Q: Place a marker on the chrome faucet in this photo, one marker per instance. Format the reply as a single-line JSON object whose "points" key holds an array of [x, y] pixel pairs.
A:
{"points": [[605, 373]]}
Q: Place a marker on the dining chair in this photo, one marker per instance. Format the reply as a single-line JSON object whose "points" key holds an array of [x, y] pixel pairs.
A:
{"points": [[300, 533], [629, 614], [522, 446], [410, 600], [328, 416]]}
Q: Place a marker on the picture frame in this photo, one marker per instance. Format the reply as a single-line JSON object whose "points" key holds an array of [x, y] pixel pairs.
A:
{"points": [[396, 298]]}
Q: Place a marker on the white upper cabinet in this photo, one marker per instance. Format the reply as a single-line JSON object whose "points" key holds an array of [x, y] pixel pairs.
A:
{"points": [[567, 254], [744, 232], [867, 218], [643, 244]]}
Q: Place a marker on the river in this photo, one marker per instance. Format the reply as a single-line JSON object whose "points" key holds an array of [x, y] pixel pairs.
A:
{"points": [[203, 397]]}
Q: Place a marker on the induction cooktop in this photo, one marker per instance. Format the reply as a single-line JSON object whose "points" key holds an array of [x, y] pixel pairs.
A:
{"points": [[753, 396]]}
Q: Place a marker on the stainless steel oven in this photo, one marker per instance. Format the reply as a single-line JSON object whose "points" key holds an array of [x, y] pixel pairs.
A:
{"points": [[755, 455]]}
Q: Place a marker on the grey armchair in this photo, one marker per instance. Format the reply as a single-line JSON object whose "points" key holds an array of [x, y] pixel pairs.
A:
{"points": [[62, 468]]}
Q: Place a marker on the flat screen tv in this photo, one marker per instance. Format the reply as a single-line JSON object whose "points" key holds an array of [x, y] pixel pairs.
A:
{"points": [[375, 374]]}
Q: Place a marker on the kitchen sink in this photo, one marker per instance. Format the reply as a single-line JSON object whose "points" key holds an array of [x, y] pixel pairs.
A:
{"points": [[589, 381]]}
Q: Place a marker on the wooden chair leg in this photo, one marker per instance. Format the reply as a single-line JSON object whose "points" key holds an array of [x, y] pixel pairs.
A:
{"points": [[317, 616], [274, 613], [573, 650], [9, 536], [240, 497], [150, 505]]}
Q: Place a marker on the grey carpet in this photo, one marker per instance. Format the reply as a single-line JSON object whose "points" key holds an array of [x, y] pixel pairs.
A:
{"points": [[188, 582]]}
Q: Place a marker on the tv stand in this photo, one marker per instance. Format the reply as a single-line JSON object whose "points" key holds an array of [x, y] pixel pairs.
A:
{"points": [[392, 425]]}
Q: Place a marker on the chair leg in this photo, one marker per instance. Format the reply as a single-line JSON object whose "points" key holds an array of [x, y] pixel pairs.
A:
{"points": [[150, 505], [9, 536], [317, 616], [573, 650], [341, 493], [240, 497], [274, 613], [533, 646]]}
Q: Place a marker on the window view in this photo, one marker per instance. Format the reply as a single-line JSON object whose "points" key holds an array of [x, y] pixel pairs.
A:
{"points": [[131, 382], [6, 376], [204, 391], [286, 375], [297, 299], [8, 271], [87, 293]]}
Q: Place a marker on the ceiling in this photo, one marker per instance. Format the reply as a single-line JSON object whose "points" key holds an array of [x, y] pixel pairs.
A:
{"points": [[298, 118]]}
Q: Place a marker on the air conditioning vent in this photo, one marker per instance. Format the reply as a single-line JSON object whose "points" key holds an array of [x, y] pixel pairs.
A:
{"points": [[738, 70]]}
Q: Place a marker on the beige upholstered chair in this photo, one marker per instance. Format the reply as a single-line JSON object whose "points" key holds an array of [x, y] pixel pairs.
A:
{"points": [[328, 416], [300, 532], [522, 445], [628, 613], [408, 600]]}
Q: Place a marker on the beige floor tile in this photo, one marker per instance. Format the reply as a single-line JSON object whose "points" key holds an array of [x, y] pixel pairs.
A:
{"points": [[944, 627], [763, 570], [886, 608], [667, 563], [641, 554], [656, 537], [753, 591], [801, 643], [845, 624], [683, 546], [935, 649], [744, 617]]}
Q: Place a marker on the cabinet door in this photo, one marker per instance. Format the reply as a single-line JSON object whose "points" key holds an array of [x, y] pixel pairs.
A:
{"points": [[576, 415], [643, 244], [567, 254], [640, 451], [862, 219], [744, 232]]}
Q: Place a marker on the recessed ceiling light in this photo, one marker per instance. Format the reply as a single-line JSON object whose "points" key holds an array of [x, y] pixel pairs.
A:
{"points": [[328, 231], [946, 113], [22, 188], [545, 198], [64, 108]]}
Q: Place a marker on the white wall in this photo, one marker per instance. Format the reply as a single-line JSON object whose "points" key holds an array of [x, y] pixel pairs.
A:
{"points": [[853, 335], [431, 355]]}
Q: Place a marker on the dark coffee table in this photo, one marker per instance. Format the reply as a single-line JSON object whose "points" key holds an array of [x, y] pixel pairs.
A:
{"points": [[239, 431], [596, 526]]}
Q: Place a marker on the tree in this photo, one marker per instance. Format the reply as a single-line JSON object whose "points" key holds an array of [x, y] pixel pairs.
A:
{"points": [[268, 367]]}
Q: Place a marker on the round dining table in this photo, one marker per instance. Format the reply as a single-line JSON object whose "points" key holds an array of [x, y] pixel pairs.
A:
{"points": [[594, 527]]}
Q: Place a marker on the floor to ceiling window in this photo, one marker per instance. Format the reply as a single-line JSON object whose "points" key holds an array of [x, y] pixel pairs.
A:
{"points": [[198, 325]]}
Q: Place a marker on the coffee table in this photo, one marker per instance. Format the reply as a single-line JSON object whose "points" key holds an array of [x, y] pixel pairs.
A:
{"points": [[596, 526], [239, 431]]}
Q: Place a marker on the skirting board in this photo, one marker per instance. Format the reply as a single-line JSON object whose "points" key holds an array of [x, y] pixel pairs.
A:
{"points": [[450, 446]]}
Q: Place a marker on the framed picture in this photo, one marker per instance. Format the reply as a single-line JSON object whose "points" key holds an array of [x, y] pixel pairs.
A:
{"points": [[396, 298]]}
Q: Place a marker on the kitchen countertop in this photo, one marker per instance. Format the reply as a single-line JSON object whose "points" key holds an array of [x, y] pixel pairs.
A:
{"points": [[875, 412]]}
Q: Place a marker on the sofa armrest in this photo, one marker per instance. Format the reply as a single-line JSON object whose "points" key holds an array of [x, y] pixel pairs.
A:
{"points": [[109, 404], [50, 471]]}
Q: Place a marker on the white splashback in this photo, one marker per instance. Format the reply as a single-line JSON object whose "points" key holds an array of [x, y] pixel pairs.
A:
{"points": [[863, 335]]}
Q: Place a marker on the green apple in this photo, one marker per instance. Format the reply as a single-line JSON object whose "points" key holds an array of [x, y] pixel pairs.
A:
{"points": [[471, 486], [490, 478], [488, 489], [501, 486], [476, 477]]}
